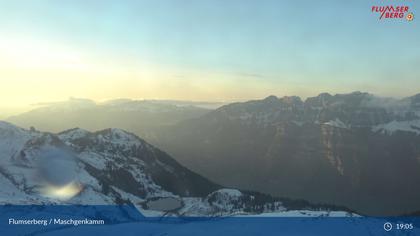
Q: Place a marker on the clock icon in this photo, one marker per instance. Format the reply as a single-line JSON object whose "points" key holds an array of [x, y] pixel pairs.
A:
{"points": [[387, 226]]}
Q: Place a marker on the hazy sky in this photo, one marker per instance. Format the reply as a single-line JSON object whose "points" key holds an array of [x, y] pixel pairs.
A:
{"points": [[203, 49]]}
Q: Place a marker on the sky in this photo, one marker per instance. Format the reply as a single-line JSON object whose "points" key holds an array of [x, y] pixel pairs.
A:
{"points": [[213, 50]]}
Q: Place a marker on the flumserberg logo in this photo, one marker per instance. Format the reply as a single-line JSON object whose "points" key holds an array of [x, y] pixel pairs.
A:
{"points": [[393, 12]]}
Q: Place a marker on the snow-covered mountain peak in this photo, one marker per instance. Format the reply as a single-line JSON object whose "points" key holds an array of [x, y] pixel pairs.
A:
{"points": [[73, 134], [111, 136], [6, 126], [12, 139], [112, 139], [117, 138], [118, 135]]}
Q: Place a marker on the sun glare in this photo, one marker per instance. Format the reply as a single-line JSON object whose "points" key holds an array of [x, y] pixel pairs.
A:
{"points": [[62, 193]]}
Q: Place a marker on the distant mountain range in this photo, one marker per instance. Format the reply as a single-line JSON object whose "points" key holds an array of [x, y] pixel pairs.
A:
{"points": [[113, 166], [138, 116], [356, 150]]}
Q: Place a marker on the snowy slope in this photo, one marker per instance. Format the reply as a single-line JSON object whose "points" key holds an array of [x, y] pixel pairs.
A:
{"points": [[412, 126], [112, 166], [337, 123]]}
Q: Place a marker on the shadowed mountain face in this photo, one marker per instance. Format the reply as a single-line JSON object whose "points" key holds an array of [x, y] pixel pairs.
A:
{"points": [[354, 149]]}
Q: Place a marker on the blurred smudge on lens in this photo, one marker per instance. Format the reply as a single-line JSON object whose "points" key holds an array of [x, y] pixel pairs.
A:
{"points": [[63, 193], [57, 173]]}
